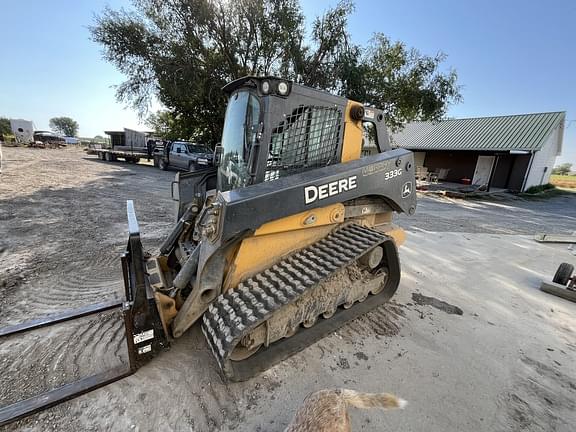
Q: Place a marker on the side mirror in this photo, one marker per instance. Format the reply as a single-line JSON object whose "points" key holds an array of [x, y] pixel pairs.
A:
{"points": [[178, 150], [218, 152]]}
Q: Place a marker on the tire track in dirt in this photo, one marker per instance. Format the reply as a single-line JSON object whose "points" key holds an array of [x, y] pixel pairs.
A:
{"points": [[88, 278], [73, 284], [541, 398], [57, 355]]}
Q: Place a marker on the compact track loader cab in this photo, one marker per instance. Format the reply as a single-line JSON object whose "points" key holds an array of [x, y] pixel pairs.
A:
{"points": [[285, 239], [291, 234]]}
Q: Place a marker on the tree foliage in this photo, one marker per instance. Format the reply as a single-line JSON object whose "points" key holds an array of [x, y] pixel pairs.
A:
{"points": [[184, 51], [562, 169], [64, 126], [168, 125], [5, 128]]}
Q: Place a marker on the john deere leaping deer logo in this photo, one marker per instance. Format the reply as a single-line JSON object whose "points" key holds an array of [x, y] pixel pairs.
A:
{"points": [[406, 189]]}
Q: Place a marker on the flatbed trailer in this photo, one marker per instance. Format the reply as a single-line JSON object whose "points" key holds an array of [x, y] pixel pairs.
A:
{"points": [[112, 155], [127, 144]]}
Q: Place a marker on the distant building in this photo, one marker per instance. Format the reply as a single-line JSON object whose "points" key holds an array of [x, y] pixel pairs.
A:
{"points": [[511, 152]]}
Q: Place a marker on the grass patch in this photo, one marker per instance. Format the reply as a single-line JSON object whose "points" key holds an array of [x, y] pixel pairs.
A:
{"points": [[539, 189], [564, 181], [544, 191]]}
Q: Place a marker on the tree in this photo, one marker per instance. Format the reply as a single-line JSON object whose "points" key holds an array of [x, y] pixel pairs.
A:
{"points": [[169, 126], [404, 83], [5, 128], [562, 169], [184, 51], [64, 126]]}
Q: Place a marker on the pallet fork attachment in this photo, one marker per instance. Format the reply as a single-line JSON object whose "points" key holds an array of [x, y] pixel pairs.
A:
{"points": [[145, 336]]}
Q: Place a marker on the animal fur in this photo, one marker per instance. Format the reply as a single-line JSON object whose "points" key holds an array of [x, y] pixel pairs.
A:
{"points": [[327, 410]]}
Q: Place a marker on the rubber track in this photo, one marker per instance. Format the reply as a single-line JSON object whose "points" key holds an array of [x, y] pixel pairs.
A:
{"points": [[240, 310]]}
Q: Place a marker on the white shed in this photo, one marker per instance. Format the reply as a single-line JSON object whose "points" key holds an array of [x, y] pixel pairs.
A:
{"points": [[511, 152]]}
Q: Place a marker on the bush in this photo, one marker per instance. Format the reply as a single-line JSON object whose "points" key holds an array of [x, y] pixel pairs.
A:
{"points": [[539, 189]]}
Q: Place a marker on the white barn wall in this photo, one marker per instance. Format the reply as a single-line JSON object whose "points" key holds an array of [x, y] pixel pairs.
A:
{"points": [[544, 158]]}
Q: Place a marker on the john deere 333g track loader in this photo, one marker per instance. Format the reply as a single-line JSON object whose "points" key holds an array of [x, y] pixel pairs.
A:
{"points": [[287, 238]]}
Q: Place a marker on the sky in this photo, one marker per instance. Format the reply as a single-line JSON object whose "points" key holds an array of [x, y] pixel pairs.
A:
{"points": [[511, 56]]}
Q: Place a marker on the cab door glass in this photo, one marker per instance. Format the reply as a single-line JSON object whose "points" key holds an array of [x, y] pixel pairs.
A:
{"points": [[239, 135]]}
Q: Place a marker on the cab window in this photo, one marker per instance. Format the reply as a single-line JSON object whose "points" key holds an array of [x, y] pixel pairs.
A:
{"points": [[369, 140]]}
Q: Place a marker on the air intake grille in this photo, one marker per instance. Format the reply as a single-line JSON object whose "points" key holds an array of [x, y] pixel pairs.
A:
{"points": [[308, 138]]}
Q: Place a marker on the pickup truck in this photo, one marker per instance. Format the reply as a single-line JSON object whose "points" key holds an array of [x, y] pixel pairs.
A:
{"points": [[183, 155]]}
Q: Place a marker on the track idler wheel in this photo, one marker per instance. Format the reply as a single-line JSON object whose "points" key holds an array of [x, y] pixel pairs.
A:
{"points": [[242, 353], [329, 313]]}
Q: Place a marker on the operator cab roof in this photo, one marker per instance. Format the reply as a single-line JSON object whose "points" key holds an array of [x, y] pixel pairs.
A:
{"points": [[250, 81], [279, 87]]}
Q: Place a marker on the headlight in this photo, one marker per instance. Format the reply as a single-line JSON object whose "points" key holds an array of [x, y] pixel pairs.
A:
{"points": [[283, 88], [203, 161], [265, 87]]}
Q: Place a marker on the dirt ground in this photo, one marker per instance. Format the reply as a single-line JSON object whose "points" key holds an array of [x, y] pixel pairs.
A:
{"points": [[469, 339]]}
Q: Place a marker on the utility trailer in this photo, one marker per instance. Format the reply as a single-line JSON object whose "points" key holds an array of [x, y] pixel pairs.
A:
{"points": [[128, 144]]}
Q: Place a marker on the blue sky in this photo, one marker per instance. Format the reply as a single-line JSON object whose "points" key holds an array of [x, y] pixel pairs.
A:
{"points": [[511, 56]]}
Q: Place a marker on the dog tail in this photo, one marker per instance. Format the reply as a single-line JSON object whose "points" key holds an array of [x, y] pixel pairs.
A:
{"points": [[373, 400]]}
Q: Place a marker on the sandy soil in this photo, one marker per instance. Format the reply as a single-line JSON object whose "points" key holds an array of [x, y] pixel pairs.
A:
{"points": [[469, 339]]}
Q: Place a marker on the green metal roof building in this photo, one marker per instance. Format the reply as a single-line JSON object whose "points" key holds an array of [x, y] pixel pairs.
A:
{"points": [[510, 152]]}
